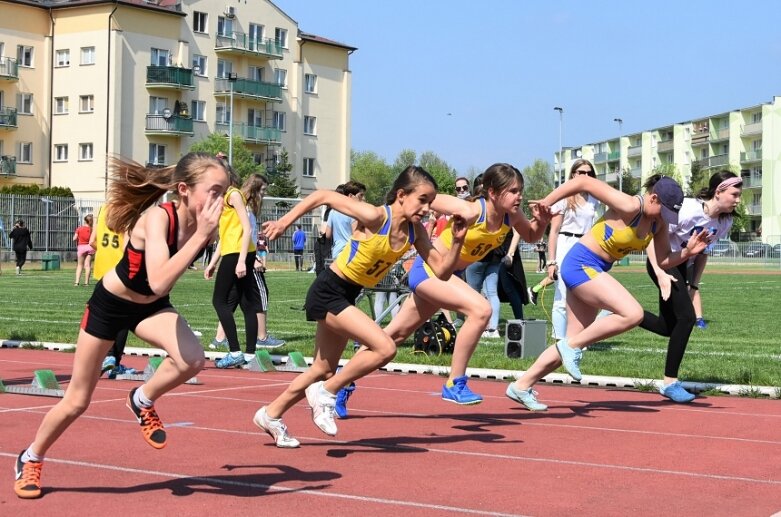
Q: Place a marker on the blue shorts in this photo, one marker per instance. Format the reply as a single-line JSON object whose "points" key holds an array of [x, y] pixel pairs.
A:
{"points": [[581, 265], [420, 272]]}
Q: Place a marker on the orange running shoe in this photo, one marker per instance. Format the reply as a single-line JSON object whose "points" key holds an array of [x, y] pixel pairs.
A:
{"points": [[151, 427], [28, 478]]}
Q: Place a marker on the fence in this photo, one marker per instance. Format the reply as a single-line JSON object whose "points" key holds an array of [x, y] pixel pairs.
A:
{"points": [[53, 220]]}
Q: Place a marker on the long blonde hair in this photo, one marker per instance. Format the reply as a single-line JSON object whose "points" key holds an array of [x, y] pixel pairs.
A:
{"points": [[251, 188], [135, 188], [572, 201]]}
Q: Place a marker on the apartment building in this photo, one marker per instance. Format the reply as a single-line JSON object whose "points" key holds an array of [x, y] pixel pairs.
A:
{"points": [[145, 79], [746, 141]]}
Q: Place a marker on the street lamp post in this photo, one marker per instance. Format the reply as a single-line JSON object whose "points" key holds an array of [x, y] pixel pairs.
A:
{"points": [[561, 149], [620, 172], [231, 79]]}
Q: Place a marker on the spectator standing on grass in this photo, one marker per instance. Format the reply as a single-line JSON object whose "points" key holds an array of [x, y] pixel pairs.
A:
{"points": [[571, 219], [299, 242], [541, 248], [236, 253], [162, 243], [711, 213], [382, 236], [629, 224], [22, 242], [84, 251]]}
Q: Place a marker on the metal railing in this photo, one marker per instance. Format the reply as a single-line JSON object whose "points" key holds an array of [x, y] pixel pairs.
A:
{"points": [[8, 117], [174, 125], [252, 134], [170, 76], [9, 68], [243, 43], [8, 165], [249, 88], [751, 156]]}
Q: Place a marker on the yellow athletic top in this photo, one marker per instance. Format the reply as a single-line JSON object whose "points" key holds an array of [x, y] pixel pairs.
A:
{"points": [[366, 262], [109, 246], [619, 243], [478, 241], [230, 226]]}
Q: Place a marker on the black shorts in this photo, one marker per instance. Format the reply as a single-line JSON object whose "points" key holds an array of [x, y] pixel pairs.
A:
{"points": [[106, 314], [329, 293]]}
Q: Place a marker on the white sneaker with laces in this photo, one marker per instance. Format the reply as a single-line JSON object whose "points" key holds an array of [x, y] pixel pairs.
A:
{"points": [[276, 429], [323, 406], [490, 334]]}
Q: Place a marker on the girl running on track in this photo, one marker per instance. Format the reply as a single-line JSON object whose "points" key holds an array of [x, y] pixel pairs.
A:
{"points": [[162, 242], [711, 211], [382, 236], [629, 224], [492, 213]]}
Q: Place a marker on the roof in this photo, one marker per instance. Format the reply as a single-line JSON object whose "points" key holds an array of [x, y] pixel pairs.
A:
{"points": [[170, 6], [325, 41]]}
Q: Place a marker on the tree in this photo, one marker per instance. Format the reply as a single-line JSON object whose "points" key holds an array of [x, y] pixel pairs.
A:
{"points": [[370, 169], [537, 182], [629, 184], [281, 184], [243, 161], [698, 178], [443, 173], [670, 170]]}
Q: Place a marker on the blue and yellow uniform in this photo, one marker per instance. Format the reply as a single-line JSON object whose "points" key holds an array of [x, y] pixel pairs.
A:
{"points": [[581, 264], [477, 243], [363, 262]]}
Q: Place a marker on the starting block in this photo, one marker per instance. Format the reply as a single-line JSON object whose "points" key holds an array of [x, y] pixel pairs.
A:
{"points": [[151, 366], [44, 384], [262, 362]]}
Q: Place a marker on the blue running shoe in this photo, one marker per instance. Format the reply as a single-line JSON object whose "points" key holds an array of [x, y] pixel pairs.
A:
{"points": [[121, 370], [570, 358], [460, 393], [527, 398], [219, 345], [231, 361], [341, 400], [109, 363], [269, 342], [700, 324], [676, 393]]}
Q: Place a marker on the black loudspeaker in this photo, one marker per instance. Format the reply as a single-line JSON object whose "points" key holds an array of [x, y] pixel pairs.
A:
{"points": [[525, 338]]}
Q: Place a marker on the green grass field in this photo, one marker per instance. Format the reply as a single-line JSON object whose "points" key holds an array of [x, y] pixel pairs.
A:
{"points": [[741, 346]]}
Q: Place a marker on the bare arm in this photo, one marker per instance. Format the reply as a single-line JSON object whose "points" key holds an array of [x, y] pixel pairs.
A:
{"points": [[237, 203], [622, 203], [442, 264], [666, 259], [467, 210]]}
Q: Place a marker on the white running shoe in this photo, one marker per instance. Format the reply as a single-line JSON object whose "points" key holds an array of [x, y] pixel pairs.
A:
{"points": [[276, 429], [323, 406], [490, 334]]}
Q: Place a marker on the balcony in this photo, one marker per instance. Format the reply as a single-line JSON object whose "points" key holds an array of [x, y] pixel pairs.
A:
{"points": [[634, 150], [751, 156], [636, 172], [252, 134], [714, 161], [175, 125], [751, 129], [752, 181], [614, 156], [171, 77], [664, 145], [7, 165], [241, 43], [246, 88], [701, 137], [9, 69], [720, 134], [600, 157], [8, 118], [754, 209]]}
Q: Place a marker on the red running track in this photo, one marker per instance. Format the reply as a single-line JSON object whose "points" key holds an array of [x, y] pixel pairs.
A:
{"points": [[402, 451]]}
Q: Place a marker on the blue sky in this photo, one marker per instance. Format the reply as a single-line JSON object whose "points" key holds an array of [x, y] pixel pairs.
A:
{"points": [[476, 82]]}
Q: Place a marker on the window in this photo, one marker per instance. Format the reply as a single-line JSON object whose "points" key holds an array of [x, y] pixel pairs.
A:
{"points": [[24, 55], [757, 145], [254, 118], [156, 154], [61, 152], [280, 77], [280, 37], [257, 158], [157, 105], [198, 110], [200, 22], [199, 65], [224, 68], [25, 106], [222, 115], [60, 105], [310, 125], [310, 83], [725, 149], [25, 152], [756, 117], [309, 167], [161, 57], [85, 152], [87, 55], [224, 26], [255, 73], [255, 36], [62, 57], [279, 120], [86, 103]]}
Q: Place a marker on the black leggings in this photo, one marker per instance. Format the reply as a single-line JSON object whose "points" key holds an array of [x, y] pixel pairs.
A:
{"points": [[225, 280], [21, 257], [676, 318]]}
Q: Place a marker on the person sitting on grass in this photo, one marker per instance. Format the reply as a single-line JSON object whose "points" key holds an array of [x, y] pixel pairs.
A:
{"points": [[629, 224]]}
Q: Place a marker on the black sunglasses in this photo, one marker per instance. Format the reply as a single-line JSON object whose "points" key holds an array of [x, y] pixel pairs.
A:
{"points": [[590, 173], [465, 188]]}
